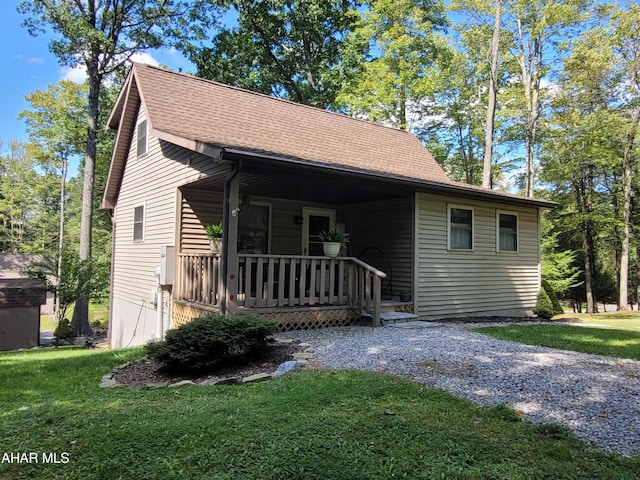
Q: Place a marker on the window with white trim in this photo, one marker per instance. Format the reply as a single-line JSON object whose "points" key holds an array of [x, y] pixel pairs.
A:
{"points": [[460, 227], [142, 139], [507, 234], [138, 223]]}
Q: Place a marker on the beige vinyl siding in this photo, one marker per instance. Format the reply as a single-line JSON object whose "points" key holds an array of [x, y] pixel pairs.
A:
{"points": [[478, 282], [286, 235], [152, 181], [203, 207], [199, 208], [388, 226]]}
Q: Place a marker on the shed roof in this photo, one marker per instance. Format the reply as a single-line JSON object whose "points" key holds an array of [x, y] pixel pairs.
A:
{"points": [[13, 265], [210, 118], [22, 292]]}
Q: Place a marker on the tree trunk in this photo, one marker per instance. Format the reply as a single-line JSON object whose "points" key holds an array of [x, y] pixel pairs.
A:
{"points": [[491, 106], [638, 277], [63, 179], [588, 272], [589, 243], [80, 320], [627, 177]]}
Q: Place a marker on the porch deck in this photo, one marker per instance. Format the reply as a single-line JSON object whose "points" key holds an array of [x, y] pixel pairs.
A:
{"points": [[283, 285]]}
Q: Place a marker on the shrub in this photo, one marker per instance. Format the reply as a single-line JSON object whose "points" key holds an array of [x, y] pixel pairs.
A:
{"points": [[64, 331], [544, 307], [557, 308], [208, 341]]}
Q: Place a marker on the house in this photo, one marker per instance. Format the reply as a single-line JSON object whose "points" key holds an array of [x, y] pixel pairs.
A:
{"points": [[20, 302], [190, 153]]}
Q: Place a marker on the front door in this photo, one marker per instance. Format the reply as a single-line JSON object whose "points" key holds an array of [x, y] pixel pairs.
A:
{"points": [[315, 220]]}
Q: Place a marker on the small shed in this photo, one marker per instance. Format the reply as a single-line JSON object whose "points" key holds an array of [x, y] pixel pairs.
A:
{"points": [[20, 302]]}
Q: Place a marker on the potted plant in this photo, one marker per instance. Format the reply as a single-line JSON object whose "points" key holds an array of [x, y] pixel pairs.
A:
{"points": [[214, 232], [405, 295], [332, 241]]}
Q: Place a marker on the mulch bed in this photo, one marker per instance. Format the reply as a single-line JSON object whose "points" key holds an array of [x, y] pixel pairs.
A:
{"points": [[149, 373]]}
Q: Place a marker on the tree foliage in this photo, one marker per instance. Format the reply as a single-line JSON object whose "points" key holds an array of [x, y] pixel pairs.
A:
{"points": [[102, 36], [287, 48], [394, 48]]}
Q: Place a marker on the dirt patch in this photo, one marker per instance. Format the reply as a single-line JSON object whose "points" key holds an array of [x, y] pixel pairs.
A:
{"points": [[149, 373]]}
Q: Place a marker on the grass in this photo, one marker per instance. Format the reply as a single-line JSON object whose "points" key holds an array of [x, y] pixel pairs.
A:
{"points": [[97, 311], [612, 342], [310, 425], [629, 320]]}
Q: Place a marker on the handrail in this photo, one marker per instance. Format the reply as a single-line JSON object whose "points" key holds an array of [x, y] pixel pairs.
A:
{"points": [[368, 267], [284, 281]]}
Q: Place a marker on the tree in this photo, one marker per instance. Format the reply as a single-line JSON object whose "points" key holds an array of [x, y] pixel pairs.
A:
{"points": [[286, 48], [581, 151], [536, 27], [453, 130], [395, 75], [491, 106], [627, 48], [55, 124], [100, 35]]}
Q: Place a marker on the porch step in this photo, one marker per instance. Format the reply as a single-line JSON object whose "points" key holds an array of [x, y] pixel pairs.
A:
{"points": [[397, 317]]}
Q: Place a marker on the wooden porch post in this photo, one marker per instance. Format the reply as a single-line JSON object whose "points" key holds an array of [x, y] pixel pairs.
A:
{"points": [[230, 284]]}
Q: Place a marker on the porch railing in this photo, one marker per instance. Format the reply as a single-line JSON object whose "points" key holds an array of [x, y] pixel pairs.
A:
{"points": [[198, 278], [273, 281]]}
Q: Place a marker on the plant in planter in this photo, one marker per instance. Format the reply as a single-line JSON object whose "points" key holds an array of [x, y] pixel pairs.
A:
{"points": [[332, 241], [214, 232]]}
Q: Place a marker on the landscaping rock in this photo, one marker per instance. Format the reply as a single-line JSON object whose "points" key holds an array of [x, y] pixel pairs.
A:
{"points": [[181, 383], [303, 356], [286, 367], [156, 384], [108, 383], [258, 377], [221, 381]]}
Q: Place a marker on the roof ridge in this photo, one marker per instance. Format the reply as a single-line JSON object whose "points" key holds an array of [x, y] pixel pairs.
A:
{"points": [[270, 97]]}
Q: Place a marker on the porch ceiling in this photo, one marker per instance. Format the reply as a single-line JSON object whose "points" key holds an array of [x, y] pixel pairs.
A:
{"points": [[311, 185]]}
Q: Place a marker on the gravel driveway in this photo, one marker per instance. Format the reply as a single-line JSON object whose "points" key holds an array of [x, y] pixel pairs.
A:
{"points": [[597, 397]]}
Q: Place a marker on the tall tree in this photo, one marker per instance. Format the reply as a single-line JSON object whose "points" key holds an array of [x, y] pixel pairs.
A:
{"points": [[55, 123], [627, 48], [491, 103], [536, 27], [286, 48], [401, 47], [581, 152], [100, 35]]}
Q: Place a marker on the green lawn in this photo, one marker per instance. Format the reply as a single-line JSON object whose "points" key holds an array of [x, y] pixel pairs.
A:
{"points": [[609, 341], [628, 320], [97, 311], [310, 425]]}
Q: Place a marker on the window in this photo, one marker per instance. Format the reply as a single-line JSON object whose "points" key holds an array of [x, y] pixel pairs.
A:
{"points": [[138, 223], [253, 228], [142, 138], [507, 233], [460, 228]]}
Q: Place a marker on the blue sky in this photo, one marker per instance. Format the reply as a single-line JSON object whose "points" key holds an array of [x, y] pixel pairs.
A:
{"points": [[26, 65]]}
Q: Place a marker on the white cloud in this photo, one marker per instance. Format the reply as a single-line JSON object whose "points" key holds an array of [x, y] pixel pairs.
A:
{"points": [[144, 57], [35, 60], [78, 74]]}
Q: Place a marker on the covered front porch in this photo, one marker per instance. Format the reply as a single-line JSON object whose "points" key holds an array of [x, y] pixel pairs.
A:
{"points": [[272, 261]]}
